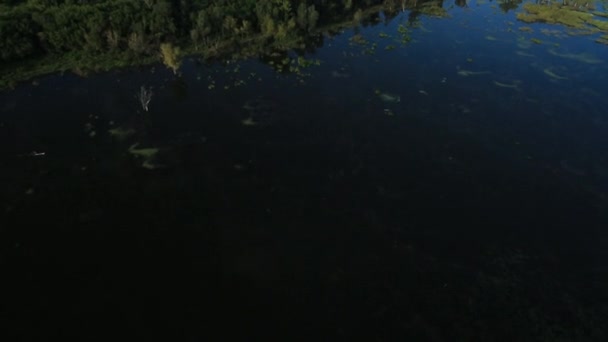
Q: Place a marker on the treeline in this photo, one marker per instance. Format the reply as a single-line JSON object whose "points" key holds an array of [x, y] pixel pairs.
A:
{"points": [[33, 28]]}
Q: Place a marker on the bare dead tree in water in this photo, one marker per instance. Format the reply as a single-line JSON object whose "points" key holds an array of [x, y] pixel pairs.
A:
{"points": [[145, 96]]}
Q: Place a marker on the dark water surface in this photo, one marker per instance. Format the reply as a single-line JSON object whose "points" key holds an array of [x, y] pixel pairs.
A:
{"points": [[447, 188]]}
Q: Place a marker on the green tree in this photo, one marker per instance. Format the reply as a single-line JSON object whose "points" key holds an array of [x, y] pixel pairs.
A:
{"points": [[18, 37], [170, 56]]}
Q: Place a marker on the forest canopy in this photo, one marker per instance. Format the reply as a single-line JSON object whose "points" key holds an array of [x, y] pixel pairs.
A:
{"points": [[31, 28], [40, 37]]}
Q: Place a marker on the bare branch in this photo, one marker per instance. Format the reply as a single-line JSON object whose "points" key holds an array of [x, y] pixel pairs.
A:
{"points": [[145, 96]]}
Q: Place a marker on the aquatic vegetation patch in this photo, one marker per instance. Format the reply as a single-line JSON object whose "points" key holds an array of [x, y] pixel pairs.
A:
{"points": [[404, 34], [13, 73], [582, 57], [387, 97], [121, 133], [554, 14], [576, 18], [145, 153], [523, 43], [600, 14], [433, 9], [467, 73], [555, 33], [514, 85], [599, 24], [147, 156], [248, 122], [553, 75], [524, 54], [305, 63], [358, 39]]}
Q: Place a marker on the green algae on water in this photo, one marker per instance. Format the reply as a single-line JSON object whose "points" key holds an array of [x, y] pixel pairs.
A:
{"points": [[147, 156], [145, 153], [390, 98], [433, 9], [601, 14], [524, 54], [554, 14], [515, 85], [523, 43], [586, 22], [582, 57], [467, 73], [121, 133], [249, 122], [536, 41]]}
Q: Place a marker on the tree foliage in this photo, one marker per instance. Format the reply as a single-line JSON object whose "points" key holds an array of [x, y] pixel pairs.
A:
{"points": [[170, 56], [31, 28]]}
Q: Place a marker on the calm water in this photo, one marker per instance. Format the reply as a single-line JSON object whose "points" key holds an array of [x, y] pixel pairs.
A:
{"points": [[449, 188]]}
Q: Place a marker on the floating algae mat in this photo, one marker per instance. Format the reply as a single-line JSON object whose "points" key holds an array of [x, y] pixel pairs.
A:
{"points": [[525, 54], [121, 133], [433, 9], [467, 73], [553, 75], [554, 14], [387, 97], [514, 85], [146, 155], [564, 15], [582, 57]]}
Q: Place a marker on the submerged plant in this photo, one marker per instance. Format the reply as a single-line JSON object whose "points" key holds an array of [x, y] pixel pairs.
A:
{"points": [[121, 133], [387, 97], [147, 156], [467, 73]]}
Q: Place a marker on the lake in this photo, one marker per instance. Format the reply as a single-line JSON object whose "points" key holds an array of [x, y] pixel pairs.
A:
{"points": [[421, 177]]}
